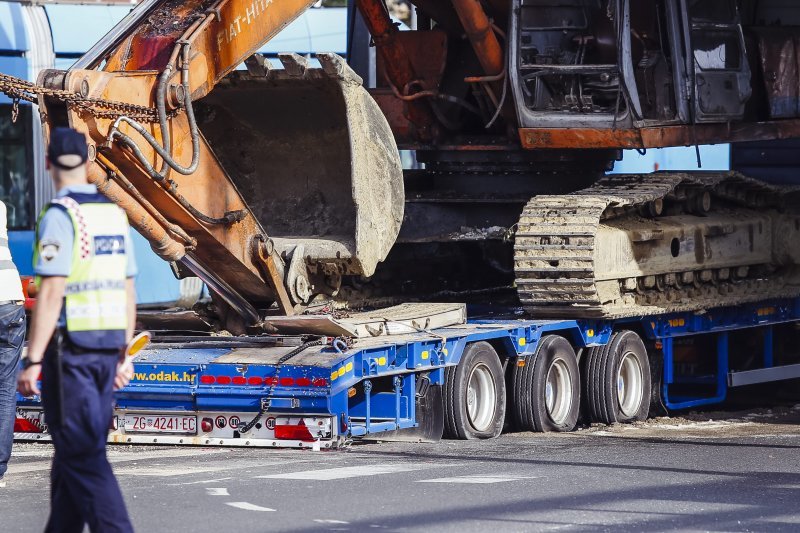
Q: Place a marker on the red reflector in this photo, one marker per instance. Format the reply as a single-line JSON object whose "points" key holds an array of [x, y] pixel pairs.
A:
{"points": [[239, 380], [206, 425], [271, 381], [207, 380], [255, 380], [287, 382], [303, 382], [292, 432], [320, 382], [22, 425], [223, 380]]}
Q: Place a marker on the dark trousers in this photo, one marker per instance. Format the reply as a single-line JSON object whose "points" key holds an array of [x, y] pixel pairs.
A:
{"points": [[83, 489], [12, 336]]}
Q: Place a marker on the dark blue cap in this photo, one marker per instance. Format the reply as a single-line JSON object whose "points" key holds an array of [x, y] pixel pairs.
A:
{"points": [[67, 141]]}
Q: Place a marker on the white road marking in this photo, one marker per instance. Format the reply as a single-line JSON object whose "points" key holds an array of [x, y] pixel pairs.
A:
{"points": [[185, 470], [328, 474], [246, 506], [329, 521], [160, 471], [199, 482], [114, 458], [478, 478], [44, 452], [217, 491]]}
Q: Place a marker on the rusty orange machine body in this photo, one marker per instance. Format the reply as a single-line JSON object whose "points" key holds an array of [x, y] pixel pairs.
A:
{"points": [[275, 185], [160, 168]]}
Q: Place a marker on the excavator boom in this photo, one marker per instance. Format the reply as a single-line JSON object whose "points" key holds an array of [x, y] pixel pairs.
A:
{"points": [[170, 55]]}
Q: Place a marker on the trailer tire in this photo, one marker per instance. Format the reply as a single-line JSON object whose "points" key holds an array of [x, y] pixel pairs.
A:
{"points": [[475, 395], [555, 366], [618, 382]]}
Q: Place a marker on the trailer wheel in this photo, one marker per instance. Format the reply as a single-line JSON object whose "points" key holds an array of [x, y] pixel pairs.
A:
{"points": [[618, 382], [475, 395], [547, 392]]}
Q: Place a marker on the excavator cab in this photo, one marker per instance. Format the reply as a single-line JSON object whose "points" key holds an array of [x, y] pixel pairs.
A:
{"points": [[622, 63]]}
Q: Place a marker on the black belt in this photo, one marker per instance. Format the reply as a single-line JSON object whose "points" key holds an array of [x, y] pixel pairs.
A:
{"points": [[79, 350], [11, 302]]}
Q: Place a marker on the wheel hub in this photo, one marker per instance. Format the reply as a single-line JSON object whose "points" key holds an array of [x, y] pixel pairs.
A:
{"points": [[558, 391], [481, 397], [630, 385]]}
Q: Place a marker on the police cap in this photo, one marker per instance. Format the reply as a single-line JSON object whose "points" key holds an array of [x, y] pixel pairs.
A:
{"points": [[67, 141]]}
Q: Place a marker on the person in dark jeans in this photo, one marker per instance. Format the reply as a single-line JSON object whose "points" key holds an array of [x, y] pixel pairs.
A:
{"points": [[12, 335]]}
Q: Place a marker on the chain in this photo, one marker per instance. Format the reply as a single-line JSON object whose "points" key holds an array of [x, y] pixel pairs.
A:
{"points": [[18, 89], [329, 309]]}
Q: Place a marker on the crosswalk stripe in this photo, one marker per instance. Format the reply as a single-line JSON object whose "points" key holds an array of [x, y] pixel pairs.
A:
{"points": [[478, 479], [217, 491], [39, 466], [173, 471], [166, 471], [201, 482], [247, 506], [328, 474]]}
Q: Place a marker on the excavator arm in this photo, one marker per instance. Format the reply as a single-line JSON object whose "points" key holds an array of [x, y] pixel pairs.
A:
{"points": [[168, 55]]}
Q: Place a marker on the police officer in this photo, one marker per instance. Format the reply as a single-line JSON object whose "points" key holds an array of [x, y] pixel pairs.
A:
{"points": [[84, 315], [12, 336]]}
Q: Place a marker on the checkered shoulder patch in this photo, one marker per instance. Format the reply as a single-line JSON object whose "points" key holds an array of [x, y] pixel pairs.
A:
{"points": [[83, 235]]}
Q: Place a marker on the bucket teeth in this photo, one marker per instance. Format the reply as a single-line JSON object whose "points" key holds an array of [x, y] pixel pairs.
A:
{"points": [[258, 66], [294, 64], [336, 67]]}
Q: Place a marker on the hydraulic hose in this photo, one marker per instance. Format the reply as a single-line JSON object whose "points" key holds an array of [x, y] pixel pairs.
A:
{"points": [[165, 150]]}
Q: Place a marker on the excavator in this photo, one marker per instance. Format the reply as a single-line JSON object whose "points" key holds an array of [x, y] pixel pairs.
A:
{"points": [[283, 187]]}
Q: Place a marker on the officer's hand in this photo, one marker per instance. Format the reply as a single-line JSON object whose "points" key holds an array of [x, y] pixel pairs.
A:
{"points": [[26, 382], [124, 375]]}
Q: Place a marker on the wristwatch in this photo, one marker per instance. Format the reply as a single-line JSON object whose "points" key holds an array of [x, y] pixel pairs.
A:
{"points": [[27, 363]]}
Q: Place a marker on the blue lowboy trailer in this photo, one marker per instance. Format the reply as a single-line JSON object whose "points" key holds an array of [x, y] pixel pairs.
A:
{"points": [[469, 380]]}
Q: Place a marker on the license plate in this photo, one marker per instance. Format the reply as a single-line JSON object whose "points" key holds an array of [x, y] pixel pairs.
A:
{"points": [[160, 424]]}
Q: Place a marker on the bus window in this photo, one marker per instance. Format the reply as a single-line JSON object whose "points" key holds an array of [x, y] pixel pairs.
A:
{"points": [[16, 168]]}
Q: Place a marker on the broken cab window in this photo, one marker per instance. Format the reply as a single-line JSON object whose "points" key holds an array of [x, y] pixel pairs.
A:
{"points": [[554, 18], [723, 11], [716, 50]]}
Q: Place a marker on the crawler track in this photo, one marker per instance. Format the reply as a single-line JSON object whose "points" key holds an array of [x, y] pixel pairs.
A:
{"points": [[560, 238]]}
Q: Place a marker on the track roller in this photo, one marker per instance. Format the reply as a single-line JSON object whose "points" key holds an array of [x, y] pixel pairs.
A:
{"points": [[617, 382], [475, 395], [546, 390]]}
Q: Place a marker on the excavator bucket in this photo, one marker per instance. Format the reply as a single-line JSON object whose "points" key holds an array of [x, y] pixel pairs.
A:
{"points": [[312, 154]]}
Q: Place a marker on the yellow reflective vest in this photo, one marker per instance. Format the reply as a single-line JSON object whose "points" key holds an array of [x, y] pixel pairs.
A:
{"points": [[95, 299]]}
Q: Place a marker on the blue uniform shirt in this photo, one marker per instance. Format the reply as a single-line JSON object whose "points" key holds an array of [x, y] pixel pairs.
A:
{"points": [[56, 239]]}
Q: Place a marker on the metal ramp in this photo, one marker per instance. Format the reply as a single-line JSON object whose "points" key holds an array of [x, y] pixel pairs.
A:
{"points": [[398, 320]]}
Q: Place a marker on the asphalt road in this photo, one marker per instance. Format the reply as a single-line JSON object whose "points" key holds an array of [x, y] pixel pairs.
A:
{"points": [[740, 473]]}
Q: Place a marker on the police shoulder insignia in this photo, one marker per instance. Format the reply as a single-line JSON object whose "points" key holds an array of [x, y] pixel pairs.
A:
{"points": [[48, 249]]}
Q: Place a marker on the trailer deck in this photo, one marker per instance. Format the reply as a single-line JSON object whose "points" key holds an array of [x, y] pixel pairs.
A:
{"points": [[320, 392]]}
